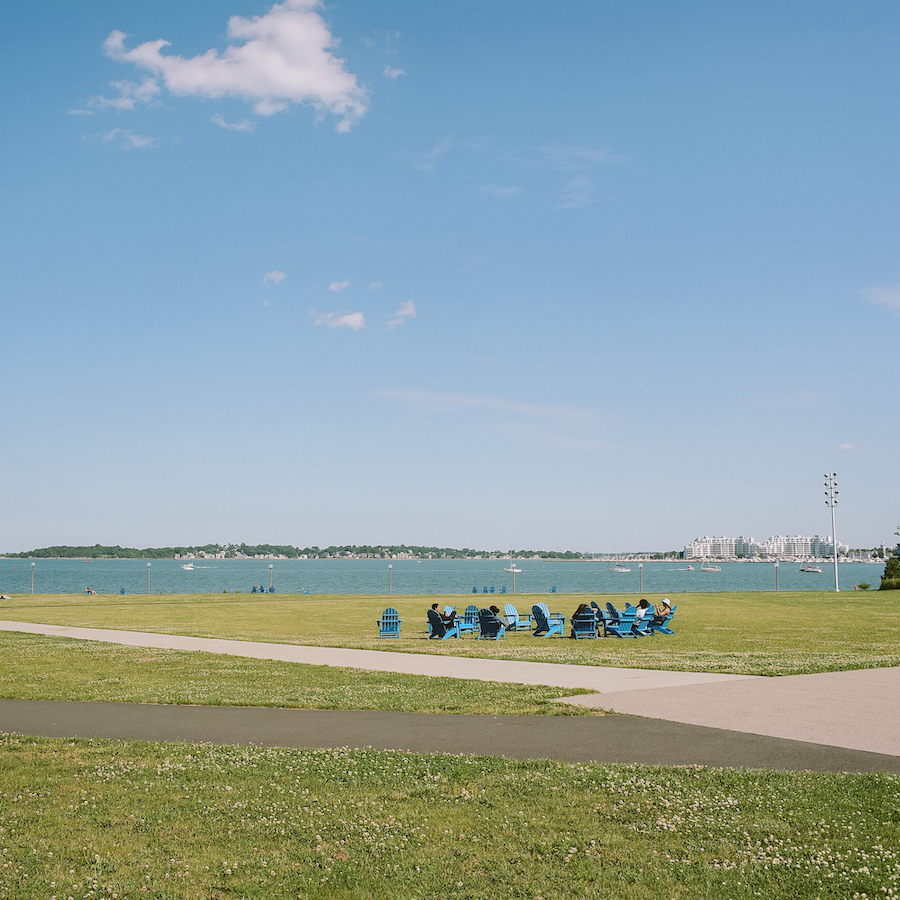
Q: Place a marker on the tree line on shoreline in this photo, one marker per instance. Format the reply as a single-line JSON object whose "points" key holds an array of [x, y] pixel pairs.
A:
{"points": [[286, 551]]}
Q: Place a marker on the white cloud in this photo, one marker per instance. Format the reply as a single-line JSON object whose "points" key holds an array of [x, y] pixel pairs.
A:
{"points": [[406, 311], [500, 192], [353, 321], [243, 125], [130, 93], [374, 285], [274, 277], [392, 73], [130, 140], [428, 161], [279, 58], [338, 286], [885, 295], [846, 447]]}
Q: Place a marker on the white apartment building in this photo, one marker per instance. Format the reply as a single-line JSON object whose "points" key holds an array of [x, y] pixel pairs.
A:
{"points": [[797, 545]]}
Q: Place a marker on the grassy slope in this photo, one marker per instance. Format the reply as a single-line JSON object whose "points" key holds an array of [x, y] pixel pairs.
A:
{"points": [[760, 633], [97, 819]]}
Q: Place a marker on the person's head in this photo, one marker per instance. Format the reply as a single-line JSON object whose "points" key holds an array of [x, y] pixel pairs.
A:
{"points": [[643, 604], [582, 607], [495, 610], [665, 603], [434, 606]]}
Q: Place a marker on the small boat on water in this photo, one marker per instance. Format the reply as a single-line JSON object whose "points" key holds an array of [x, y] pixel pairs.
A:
{"points": [[617, 568], [706, 567], [810, 568], [188, 567]]}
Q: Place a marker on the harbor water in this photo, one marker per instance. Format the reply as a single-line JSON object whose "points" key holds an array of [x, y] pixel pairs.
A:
{"points": [[373, 577]]}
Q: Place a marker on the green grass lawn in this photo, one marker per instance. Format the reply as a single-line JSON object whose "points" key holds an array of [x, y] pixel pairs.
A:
{"points": [[36, 667], [98, 820], [756, 634]]}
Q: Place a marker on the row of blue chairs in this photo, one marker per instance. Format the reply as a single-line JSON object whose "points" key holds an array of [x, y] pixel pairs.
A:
{"points": [[540, 622], [490, 590]]}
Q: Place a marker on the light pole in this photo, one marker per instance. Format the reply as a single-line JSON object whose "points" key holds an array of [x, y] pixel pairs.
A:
{"points": [[390, 578], [148, 578], [270, 578], [641, 571], [512, 568], [831, 493], [32, 578], [776, 574]]}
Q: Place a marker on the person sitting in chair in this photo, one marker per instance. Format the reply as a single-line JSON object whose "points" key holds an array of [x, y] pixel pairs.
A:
{"points": [[440, 622]]}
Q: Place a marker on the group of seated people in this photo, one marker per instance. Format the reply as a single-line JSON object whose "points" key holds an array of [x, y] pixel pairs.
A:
{"points": [[442, 622], [643, 608]]}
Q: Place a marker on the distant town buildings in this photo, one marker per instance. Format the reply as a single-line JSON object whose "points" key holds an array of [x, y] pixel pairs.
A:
{"points": [[783, 545]]}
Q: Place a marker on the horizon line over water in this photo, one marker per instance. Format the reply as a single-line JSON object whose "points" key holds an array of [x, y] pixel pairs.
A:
{"points": [[411, 577]]}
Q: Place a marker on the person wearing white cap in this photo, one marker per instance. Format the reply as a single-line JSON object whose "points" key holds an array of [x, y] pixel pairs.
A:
{"points": [[664, 608]]}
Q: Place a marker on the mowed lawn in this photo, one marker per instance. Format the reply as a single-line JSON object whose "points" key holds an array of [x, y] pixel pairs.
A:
{"points": [[754, 633], [128, 820]]}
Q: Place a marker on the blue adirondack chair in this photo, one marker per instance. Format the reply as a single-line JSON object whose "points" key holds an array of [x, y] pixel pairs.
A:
{"points": [[584, 625], [622, 623], [438, 629], [474, 590], [548, 624], [389, 623], [468, 622], [642, 624], [516, 621], [492, 629], [553, 589], [600, 615], [503, 589], [661, 625]]}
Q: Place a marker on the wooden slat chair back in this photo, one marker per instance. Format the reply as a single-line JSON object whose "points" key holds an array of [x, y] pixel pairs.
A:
{"points": [[389, 623], [468, 622], [584, 625], [491, 629], [548, 624], [516, 621]]}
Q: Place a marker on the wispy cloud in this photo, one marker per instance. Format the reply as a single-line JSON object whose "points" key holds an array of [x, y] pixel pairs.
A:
{"points": [[406, 311], [392, 73], [338, 286], [846, 447], [128, 140], [580, 190], [354, 321], [500, 192], [885, 295], [572, 427], [374, 285], [279, 58], [243, 125], [274, 277], [427, 162], [130, 94]]}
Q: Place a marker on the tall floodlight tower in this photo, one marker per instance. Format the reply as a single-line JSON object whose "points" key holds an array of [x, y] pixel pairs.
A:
{"points": [[831, 493]]}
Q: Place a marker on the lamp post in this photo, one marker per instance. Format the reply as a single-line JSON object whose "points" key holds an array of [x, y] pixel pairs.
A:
{"points": [[641, 571], [390, 578], [148, 578], [512, 568], [270, 578], [776, 574], [831, 493], [32, 578]]}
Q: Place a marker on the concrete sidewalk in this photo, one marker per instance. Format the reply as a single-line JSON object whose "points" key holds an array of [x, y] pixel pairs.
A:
{"points": [[858, 710]]}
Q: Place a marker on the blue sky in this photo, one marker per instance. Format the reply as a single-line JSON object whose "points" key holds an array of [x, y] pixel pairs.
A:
{"points": [[593, 276]]}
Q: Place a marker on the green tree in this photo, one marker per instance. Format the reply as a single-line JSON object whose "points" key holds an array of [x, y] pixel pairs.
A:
{"points": [[890, 580]]}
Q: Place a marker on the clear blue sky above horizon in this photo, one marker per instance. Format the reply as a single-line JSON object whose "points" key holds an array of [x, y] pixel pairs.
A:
{"points": [[581, 275]]}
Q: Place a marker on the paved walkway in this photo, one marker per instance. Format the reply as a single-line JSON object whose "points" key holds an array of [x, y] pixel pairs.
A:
{"points": [[853, 717]]}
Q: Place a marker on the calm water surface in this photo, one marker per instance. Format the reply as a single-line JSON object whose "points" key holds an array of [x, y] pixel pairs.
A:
{"points": [[370, 576]]}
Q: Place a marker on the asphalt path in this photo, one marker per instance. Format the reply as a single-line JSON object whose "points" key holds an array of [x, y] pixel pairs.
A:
{"points": [[841, 721]]}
